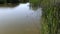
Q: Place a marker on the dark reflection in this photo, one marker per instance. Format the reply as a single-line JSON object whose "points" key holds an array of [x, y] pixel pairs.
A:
{"points": [[12, 1], [9, 1], [9, 5], [24, 1], [1, 1], [34, 4]]}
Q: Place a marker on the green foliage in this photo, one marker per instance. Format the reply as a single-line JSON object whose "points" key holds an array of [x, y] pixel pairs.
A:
{"points": [[50, 20], [34, 2], [50, 16]]}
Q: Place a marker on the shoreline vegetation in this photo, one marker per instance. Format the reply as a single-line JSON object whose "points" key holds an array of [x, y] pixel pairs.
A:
{"points": [[50, 15]]}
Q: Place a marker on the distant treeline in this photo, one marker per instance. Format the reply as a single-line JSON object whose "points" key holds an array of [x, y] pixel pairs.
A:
{"points": [[13, 1]]}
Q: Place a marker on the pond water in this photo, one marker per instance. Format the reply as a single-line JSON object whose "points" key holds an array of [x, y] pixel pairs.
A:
{"points": [[20, 20]]}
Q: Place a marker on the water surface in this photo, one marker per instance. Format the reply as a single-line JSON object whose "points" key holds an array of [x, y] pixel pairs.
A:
{"points": [[19, 20]]}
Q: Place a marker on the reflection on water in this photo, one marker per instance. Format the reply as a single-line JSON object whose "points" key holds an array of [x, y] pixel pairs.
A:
{"points": [[9, 5], [19, 20]]}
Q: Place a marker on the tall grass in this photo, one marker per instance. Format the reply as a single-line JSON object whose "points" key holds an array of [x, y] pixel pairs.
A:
{"points": [[50, 21], [50, 16]]}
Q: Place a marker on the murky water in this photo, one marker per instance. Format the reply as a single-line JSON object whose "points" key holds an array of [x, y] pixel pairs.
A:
{"points": [[19, 20]]}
